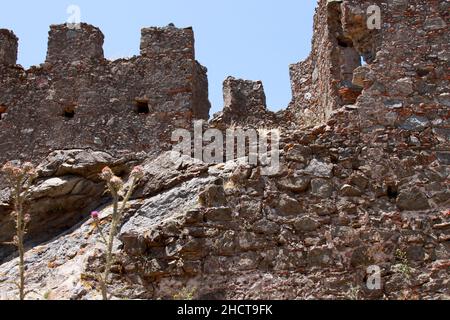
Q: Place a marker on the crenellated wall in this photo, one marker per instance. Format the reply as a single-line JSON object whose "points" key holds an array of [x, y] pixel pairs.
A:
{"points": [[78, 99], [67, 45], [244, 105], [366, 187], [8, 47]]}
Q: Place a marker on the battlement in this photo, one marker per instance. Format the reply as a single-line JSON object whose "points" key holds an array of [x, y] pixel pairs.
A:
{"points": [[66, 44], [8, 47], [159, 41], [247, 95], [121, 106], [244, 104]]}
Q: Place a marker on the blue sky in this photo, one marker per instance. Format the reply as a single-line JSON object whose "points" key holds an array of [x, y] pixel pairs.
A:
{"points": [[250, 39]]}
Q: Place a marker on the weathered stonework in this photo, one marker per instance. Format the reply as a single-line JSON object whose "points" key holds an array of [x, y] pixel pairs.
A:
{"points": [[79, 100], [117, 106], [324, 83], [244, 104], [8, 47], [364, 180], [66, 45]]}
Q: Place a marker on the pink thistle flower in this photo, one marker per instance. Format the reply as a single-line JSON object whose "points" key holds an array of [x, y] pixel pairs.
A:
{"points": [[116, 183], [28, 166], [138, 172], [27, 218], [12, 170], [8, 168], [95, 215], [107, 174]]}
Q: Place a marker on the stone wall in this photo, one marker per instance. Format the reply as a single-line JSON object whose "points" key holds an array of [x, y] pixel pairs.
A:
{"points": [[8, 47], [311, 85], [323, 82], [367, 186], [244, 105], [309, 232], [405, 60], [68, 45], [78, 99]]}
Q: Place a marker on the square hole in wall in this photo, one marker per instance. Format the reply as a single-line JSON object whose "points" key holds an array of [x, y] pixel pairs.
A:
{"points": [[142, 106], [392, 191], [69, 112]]}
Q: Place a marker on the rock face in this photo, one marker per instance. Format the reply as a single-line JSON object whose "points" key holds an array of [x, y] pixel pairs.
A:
{"points": [[366, 187], [192, 229], [67, 190]]}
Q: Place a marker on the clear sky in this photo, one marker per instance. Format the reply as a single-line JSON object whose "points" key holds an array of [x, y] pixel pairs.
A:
{"points": [[250, 39]]}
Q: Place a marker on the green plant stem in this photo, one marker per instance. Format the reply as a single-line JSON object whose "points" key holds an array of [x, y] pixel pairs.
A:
{"points": [[112, 233], [117, 214], [128, 196], [20, 230]]}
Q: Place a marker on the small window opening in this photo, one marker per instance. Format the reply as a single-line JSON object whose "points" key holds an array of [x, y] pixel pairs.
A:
{"points": [[392, 191], [142, 107], [422, 72], [69, 112], [344, 42]]}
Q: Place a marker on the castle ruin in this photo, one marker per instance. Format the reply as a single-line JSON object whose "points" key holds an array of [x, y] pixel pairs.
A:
{"points": [[365, 163]]}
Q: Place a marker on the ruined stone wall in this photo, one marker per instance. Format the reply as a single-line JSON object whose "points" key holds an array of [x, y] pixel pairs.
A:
{"points": [[406, 85], [369, 186], [78, 99], [406, 58], [244, 105], [307, 90], [8, 49], [366, 187], [313, 79], [323, 82]]}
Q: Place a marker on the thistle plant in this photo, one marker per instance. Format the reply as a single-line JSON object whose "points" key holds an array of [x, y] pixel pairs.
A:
{"points": [[353, 293], [185, 294], [404, 267], [20, 179], [121, 194]]}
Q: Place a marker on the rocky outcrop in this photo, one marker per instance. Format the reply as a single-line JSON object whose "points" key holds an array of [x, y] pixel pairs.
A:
{"points": [[324, 218], [67, 189]]}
